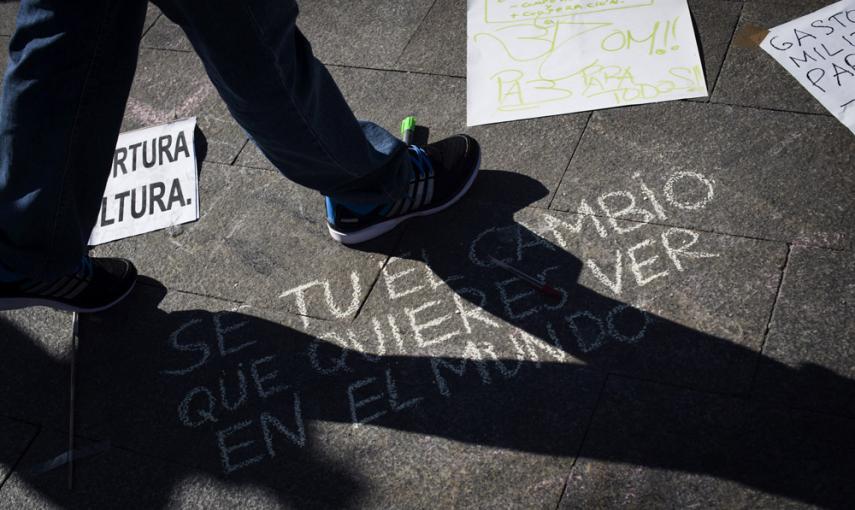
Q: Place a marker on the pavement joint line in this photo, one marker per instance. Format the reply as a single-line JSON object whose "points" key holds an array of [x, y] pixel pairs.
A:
{"points": [[737, 395], [801, 409], [784, 2], [710, 100], [170, 50], [769, 320], [371, 288], [192, 293], [239, 152], [20, 420], [251, 167], [20, 458], [767, 109], [133, 451], [148, 29], [570, 161], [207, 470], [242, 303], [549, 208], [726, 53], [582, 441], [391, 70], [393, 249], [705, 231], [413, 34], [743, 397]]}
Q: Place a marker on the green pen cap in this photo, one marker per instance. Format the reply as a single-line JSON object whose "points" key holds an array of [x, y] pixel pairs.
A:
{"points": [[408, 124]]}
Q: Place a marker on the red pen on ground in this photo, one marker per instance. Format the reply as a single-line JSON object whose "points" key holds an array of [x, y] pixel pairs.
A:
{"points": [[542, 287]]}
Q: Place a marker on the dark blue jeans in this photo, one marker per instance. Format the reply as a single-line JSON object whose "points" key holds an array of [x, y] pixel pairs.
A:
{"points": [[71, 64]]}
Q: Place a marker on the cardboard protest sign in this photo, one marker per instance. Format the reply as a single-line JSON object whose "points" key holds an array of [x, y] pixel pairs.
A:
{"points": [[819, 51], [536, 58], [153, 183]]}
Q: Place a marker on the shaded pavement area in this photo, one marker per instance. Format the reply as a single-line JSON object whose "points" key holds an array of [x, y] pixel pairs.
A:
{"points": [[701, 354]]}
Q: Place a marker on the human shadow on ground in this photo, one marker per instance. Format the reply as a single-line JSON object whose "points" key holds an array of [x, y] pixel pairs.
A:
{"points": [[198, 393]]}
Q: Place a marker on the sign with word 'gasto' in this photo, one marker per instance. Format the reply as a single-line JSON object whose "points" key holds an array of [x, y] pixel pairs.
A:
{"points": [[819, 51], [153, 183]]}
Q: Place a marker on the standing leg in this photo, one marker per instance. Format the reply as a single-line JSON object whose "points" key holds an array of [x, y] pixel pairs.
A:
{"points": [[286, 100], [71, 64], [70, 70]]}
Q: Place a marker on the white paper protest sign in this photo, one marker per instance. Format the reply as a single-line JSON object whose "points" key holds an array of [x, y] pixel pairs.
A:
{"points": [[819, 51], [532, 58], [153, 183]]}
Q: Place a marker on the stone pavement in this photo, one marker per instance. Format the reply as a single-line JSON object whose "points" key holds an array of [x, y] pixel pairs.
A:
{"points": [[702, 353]]}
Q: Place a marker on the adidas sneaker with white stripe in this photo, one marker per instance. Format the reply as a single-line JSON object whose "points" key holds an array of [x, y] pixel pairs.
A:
{"points": [[99, 284], [442, 173]]}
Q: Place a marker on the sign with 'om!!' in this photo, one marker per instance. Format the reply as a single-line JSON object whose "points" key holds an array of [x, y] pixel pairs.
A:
{"points": [[532, 58], [153, 183]]}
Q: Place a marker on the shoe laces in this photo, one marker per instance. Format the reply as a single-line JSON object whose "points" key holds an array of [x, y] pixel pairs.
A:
{"points": [[420, 160]]}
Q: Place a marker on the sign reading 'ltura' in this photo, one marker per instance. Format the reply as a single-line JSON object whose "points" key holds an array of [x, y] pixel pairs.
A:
{"points": [[153, 183]]}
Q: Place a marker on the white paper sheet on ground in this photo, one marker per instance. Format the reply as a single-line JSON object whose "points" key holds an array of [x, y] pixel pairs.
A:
{"points": [[153, 183], [531, 58], [819, 51]]}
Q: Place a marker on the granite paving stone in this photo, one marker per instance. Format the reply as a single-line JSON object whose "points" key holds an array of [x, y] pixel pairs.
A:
{"points": [[652, 446], [538, 148], [626, 305], [255, 397], [715, 22], [4, 56], [439, 45], [772, 175], [117, 478], [151, 15], [376, 32], [8, 13], [169, 86], [259, 236], [751, 77], [166, 35], [810, 337], [34, 380], [367, 33], [15, 438]]}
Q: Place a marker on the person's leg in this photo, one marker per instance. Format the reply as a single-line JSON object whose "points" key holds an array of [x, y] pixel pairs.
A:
{"points": [[287, 102], [71, 65]]}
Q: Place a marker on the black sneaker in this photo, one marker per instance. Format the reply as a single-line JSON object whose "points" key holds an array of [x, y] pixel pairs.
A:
{"points": [[442, 173], [100, 284]]}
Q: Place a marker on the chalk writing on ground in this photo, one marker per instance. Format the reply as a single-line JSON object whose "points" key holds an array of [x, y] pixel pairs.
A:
{"points": [[458, 325], [537, 58]]}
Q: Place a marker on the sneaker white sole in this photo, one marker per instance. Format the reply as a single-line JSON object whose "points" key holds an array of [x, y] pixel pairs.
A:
{"points": [[378, 229], [18, 303]]}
